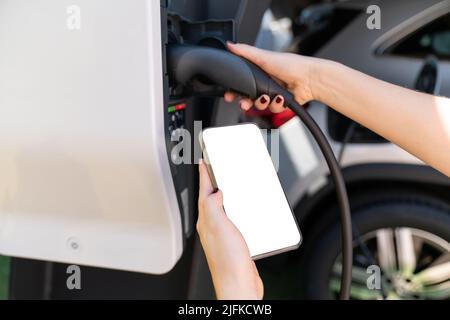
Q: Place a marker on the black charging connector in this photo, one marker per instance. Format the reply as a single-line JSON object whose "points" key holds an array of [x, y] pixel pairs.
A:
{"points": [[211, 72]]}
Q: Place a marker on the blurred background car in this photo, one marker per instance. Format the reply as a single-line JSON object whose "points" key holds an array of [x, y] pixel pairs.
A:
{"points": [[400, 206]]}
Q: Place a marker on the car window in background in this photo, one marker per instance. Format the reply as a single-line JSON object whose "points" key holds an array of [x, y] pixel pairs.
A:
{"points": [[433, 39], [317, 25]]}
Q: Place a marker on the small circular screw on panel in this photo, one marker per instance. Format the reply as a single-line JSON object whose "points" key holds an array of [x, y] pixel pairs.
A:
{"points": [[73, 244]]}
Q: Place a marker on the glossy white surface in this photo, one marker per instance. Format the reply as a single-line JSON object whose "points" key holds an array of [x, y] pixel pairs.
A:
{"points": [[84, 174]]}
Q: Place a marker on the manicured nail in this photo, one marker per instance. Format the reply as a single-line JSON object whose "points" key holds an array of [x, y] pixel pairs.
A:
{"points": [[279, 100], [263, 100]]}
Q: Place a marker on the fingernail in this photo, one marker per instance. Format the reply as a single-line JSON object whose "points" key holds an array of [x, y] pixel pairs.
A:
{"points": [[200, 161], [263, 100], [244, 107], [279, 100]]}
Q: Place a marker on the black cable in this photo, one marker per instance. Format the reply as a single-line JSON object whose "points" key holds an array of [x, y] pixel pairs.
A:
{"points": [[356, 235], [335, 172]]}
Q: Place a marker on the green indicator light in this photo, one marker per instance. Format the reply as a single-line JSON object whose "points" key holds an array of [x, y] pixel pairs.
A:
{"points": [[172, 109]]}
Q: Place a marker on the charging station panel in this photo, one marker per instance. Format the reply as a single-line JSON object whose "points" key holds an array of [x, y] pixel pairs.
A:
{"points": [[39, 41], [85, 176]]}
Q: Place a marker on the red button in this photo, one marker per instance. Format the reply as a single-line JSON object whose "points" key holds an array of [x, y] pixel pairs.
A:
{"points": [[180, 106]]}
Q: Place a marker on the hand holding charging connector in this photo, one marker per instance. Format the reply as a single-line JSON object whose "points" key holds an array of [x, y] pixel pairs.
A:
{"points": [[212, 72]]}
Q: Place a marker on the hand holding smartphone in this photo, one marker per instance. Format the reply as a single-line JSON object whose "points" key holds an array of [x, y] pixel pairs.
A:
{"points": [[240, 166]]}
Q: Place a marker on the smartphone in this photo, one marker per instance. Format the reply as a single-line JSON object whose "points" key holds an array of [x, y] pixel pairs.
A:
{"points": [[240, 165]]}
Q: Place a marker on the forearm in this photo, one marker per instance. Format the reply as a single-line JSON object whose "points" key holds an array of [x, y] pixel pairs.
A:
{"points": [[419, 123]]}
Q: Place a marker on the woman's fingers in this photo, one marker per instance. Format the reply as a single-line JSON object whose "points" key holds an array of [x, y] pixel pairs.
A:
{"points": [[277, 105], [263, 102], [230, 96], [206, 187], [246, 104]]}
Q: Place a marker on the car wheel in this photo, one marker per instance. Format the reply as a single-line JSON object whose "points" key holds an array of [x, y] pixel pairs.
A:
{"points": [[404, 239]]}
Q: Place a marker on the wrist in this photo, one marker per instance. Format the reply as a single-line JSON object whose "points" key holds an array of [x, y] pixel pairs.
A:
{"points": [[236, 283], [321, 78], [234, 289]]}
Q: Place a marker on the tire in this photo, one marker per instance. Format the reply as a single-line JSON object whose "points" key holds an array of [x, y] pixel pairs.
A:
{"points": [[388, 210]]}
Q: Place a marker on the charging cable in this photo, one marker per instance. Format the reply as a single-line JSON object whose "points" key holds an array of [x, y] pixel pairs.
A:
{"points": [[342, 196]]}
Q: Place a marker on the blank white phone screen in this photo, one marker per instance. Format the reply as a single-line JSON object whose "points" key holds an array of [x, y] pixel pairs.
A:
{"points": [[253, 197]]}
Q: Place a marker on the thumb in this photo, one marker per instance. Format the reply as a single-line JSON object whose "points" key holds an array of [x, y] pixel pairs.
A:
{"points": [[218, 198], [206, 187], [214, 205]]}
